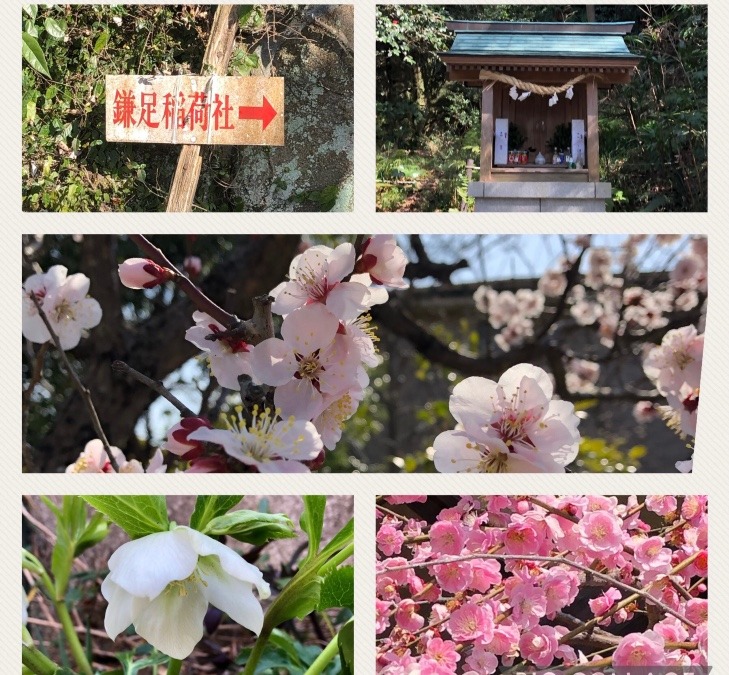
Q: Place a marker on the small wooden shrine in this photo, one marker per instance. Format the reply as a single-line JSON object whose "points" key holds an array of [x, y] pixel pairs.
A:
{"points": [[540, 84]]}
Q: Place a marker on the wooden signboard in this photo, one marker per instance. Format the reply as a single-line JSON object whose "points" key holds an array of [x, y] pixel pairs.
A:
{"points": [[195, 109]]}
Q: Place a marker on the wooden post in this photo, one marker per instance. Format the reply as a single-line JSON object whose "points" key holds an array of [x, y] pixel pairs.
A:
{"points": [[487, 130], [215, 62], [593, 143]]}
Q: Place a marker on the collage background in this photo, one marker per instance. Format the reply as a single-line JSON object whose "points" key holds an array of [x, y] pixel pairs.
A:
{"points": [[711, 461]]}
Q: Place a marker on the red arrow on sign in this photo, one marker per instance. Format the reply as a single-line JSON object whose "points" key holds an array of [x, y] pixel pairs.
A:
{"points": [[264, 112]]}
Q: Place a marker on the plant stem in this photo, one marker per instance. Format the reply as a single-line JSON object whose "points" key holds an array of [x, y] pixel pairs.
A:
{"points": [[74, 643], [37, 662], [174, 667], [326, 656], [257, 651], [328, 566]]}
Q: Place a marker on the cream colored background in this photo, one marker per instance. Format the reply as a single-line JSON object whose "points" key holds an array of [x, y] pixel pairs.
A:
{"points": [[711, 467]]}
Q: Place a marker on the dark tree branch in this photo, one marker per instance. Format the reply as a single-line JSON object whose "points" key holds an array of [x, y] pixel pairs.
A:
{"points": [[425, 267], [122, 368]]}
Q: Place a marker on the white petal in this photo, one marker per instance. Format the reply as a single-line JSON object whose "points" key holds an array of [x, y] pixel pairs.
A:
{"points": [[236, 599], [88, 313], [298, 398], [290, 295], [348, 300], [472, 403], [309, 328], [512, 380], [231, 563], [273, 362], [118, 615], [173, 621], [145, 566], [452, 454], [341, 263], [298, 440]]}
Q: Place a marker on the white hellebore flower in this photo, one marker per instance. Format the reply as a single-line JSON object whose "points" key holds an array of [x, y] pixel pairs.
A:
{"points": [[511, 426], [162, 584]]}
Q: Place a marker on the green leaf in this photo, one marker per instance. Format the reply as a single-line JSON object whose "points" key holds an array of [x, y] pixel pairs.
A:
{"points": [[298, 599], [251, 526], [54, 29], [31, 11], [33, 54], [62, 560], [341, 539], [337, 589], [273, 659], [345, 643], [95, 531], [312, 521], [208, 507], [137, 515], [101, 42]]}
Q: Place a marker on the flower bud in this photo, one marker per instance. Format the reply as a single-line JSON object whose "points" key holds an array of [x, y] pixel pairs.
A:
{"points": [[143, 273]]}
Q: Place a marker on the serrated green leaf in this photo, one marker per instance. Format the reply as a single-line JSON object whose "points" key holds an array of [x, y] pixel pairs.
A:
{"points": [[33, 54], [251, 526], [54, 29], [312, 521], [345, 642], [137, 515], [337, 589], [101, 42], [208, 507]]}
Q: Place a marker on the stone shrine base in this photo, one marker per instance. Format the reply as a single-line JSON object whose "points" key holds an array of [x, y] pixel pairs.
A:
{"points": [[535, 196]]}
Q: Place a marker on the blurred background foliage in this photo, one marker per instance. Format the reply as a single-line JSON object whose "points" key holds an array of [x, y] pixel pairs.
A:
{"points": [[406, 403], [653, 131]]}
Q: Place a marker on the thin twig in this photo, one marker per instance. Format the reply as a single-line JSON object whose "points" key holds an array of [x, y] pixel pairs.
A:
{"points": [[123, 368], [542, 558], [198, 298], [80, 387]]}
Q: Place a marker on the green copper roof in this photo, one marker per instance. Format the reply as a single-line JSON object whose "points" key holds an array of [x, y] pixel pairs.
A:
{"points": [[542, 43]]}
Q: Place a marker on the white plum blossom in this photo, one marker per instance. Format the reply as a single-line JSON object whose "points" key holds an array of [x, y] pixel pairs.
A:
{"points": [[266, 442], [552, 283], [310, 361], [65, 303], [508, 426], [315, 276], [162, 584], [582, 375], [229, 357], [336, 410]]}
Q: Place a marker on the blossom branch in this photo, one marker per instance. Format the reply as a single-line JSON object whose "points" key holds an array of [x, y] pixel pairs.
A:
{"points": [[198, 298], [80, 387], [122, 368], [558, 559]]}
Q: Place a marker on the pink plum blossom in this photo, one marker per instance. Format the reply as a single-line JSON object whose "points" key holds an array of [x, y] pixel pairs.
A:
{"points": [[539, 645], [471, 622], [316, 277], [640, 649], [600, 533], [229, 357], [140, 273], [509, 426], [266, 443], [446, 538], [307, 363], [407, 616], [676, 361], [384, 261], [661, 504], [178, 437], [389, 539]]}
